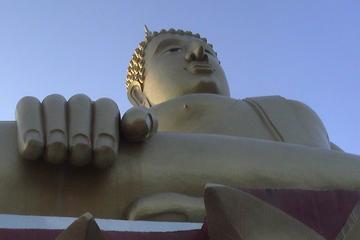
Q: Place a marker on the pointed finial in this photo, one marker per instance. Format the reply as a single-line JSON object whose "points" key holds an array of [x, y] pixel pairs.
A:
{"points": [[147, 31]]}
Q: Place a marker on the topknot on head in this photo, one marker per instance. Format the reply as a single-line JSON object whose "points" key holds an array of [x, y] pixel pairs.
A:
{"points": [[136, 68]]}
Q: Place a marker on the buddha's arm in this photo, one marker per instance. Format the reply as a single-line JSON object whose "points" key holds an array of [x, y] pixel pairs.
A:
{"points": [[168, 162], [246, 162]]}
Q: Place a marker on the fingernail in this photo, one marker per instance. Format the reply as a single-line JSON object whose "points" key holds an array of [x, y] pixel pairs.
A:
{"points": [[33, 145], [105, 153], [32, 135], [104, 140], [80, 139], [80, 150], [56, 136], [56, 147]]}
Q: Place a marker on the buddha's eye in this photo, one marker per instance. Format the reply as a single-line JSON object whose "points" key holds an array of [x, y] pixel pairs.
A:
{"points": [[174, 49]]}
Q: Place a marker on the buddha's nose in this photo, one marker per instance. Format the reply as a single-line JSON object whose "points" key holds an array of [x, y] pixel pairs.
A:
{"points": [[196, 52]]}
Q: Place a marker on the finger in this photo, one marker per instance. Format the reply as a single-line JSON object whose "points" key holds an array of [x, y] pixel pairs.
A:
{"points": [[54, 112], [29, 126], [79, 111], [138, 124], [106, 132]]}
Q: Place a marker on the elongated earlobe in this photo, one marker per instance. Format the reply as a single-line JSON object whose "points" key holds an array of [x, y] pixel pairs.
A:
{"points": [[137, 97]]}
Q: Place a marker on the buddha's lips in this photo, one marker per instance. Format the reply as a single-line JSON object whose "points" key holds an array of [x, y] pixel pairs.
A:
{"points": [[200, 67]]}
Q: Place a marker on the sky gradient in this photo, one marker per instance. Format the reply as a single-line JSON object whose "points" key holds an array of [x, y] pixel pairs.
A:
{"points": [[304, 50]]}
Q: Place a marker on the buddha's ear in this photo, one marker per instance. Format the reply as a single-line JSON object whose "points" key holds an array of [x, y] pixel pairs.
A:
{"points": [[136, 95]]}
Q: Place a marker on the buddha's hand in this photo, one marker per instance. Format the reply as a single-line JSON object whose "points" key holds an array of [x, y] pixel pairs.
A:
{"points": [[80, 130]]}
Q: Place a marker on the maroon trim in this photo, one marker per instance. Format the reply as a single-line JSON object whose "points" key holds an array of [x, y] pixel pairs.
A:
{"points": [[324, 211], [46, 234]]}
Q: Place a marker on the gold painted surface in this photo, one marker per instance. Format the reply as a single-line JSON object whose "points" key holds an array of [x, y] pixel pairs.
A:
{"points": [[203, 136], [168, 162]]}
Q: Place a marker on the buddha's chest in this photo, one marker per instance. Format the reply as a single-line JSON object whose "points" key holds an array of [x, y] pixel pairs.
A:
{"points": [[224, 116], [212, 114]]}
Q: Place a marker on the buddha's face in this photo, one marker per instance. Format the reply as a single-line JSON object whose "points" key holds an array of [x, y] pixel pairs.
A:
{"points": [[177, 65]]}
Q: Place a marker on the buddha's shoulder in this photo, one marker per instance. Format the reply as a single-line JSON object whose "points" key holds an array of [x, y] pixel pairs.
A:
{"points": [[282, 106], [279, 102]]}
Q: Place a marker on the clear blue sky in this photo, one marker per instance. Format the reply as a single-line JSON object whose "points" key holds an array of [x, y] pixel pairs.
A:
{"points": [[307, 50]]}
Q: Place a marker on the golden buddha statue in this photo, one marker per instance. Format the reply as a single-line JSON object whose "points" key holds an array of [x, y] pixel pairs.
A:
{"points": [[184, 132]]}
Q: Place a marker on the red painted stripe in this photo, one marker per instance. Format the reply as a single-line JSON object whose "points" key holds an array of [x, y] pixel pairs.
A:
{"points": [[41, 234], [324, 211]]}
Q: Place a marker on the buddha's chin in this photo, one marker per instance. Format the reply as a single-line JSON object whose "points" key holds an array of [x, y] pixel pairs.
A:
{"points": [[204, 87]]}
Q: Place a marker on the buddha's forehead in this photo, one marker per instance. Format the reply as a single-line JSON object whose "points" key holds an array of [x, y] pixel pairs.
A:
{"points": [[169, 39]]}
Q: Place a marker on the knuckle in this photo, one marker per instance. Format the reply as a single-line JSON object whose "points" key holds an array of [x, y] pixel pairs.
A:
{"points": [[28, 99], [79, 108], [105, 100], [136, 113], [138, 124], [54, 97], [133, 117], [107, 103], [79, 97]]}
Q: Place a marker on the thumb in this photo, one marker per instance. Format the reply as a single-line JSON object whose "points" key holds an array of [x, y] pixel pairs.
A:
{"points": [[138, 124]]}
